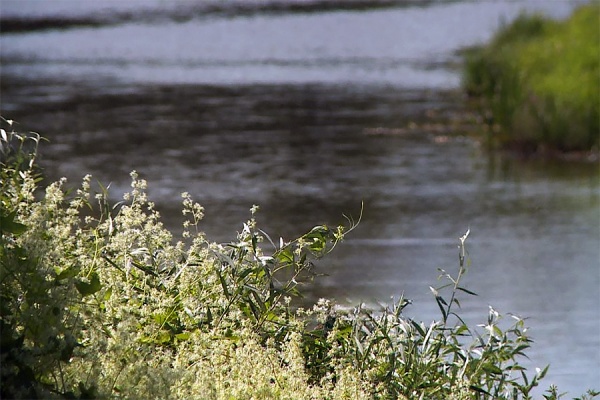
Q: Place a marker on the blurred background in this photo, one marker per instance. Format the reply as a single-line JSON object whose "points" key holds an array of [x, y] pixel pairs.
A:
{"points": [[308, 109]]}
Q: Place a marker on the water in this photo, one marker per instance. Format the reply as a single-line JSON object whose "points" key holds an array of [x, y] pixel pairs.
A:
{"points": [[308, 112]]}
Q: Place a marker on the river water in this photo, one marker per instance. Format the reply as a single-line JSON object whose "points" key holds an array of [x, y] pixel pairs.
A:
{"points": [[309, 109]]}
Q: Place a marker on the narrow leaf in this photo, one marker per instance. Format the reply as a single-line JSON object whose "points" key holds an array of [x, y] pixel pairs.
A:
{"points": [[418, 328], [480, 390], [439, 301], [467, 291], [492, 369]]}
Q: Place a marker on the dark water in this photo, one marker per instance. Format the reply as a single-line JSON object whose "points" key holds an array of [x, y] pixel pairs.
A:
{"points": [[308, 109]]}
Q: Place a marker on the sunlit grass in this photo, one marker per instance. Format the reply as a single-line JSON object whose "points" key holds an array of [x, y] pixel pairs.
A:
{"points": [[539, 81]]}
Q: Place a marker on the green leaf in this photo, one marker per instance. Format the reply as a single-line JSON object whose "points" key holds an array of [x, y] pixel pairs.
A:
{"points": [[254, 243], [161, 318], [67, 273], [359, 345], [492, 369], [480, 390], [87, 289], [456, 302], [245, 273], [107, 294], [467, 291], [441, 302], [542, 373], [223, 284], [460, 330], [254, 308], [418, 327], [183, 336], [209, 317], [163, 337], [8, 224], [285, 255]]}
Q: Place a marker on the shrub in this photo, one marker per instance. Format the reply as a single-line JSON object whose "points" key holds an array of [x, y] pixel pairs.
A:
{"points": [[99, 301], [538, 80]]}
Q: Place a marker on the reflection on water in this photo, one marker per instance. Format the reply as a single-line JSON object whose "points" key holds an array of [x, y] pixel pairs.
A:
{"points": [[408, 46], [307, 154], [310, 133]]}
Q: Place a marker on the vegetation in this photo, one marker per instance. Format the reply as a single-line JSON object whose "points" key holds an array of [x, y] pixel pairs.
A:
{"points": [[99, 301], [538, 82]]}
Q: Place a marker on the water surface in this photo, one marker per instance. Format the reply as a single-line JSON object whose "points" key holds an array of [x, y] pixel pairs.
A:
{"points": [[308, 112]]}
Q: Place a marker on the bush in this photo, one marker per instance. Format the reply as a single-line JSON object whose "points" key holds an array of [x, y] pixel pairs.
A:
{"points": [[99, 301], [538, 81]]}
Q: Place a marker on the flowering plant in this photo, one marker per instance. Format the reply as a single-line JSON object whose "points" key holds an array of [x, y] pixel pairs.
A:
{"points": [[98, 300]]}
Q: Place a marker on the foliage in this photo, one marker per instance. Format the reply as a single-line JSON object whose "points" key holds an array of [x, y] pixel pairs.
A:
{"points": [[99, 301], [538, 82]]}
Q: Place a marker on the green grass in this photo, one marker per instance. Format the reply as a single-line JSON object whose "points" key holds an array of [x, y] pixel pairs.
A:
{"points": [[98, 300], [539, 82]]}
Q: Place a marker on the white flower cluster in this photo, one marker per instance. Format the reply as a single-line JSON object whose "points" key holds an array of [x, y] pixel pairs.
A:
{"points": [[99, 301]]}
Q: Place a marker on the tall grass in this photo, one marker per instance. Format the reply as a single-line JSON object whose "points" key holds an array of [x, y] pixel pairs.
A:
{"points": [[99, 301], [539, 81]]}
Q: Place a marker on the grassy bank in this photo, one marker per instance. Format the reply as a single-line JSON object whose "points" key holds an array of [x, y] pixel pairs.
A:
{"points": [[98, 300], [538, 82]]}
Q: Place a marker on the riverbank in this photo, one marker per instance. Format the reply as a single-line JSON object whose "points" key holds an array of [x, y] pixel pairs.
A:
{"points": [[536, 84]]}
